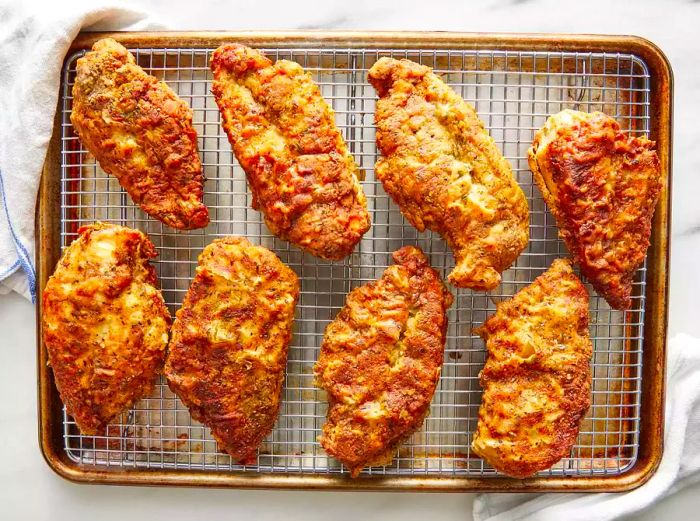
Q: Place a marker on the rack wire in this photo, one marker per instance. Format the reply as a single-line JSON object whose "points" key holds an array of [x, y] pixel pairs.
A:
{"points": [[513, 92]]}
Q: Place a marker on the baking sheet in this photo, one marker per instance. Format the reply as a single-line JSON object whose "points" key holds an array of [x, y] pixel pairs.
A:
{"points": [[514, 97]]}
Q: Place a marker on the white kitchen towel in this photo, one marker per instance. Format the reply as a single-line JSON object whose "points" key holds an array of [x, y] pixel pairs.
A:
{"points": [[680, 465], [34, 38]]}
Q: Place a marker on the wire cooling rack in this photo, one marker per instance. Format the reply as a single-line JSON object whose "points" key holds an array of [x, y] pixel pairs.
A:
{"points": [[513, 93]]}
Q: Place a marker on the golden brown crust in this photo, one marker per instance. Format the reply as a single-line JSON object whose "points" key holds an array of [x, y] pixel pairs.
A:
{"points": [[301, 175], [228, 350], [141, 133], [537, 378], [380, 361], [602, 187], [445, 172], [105, 325]]}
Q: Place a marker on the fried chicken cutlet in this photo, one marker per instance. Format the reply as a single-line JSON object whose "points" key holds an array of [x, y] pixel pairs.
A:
{"points": [[445, 173], [537, 377], [380, 361], [105, 325], [602, 187], [228, 351], [141, 133], [299, 170]]}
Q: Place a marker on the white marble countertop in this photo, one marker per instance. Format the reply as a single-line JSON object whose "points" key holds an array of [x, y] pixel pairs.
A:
{"points": [[29, 490]]}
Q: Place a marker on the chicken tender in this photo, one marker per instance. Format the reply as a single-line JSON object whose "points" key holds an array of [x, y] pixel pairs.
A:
{"points": [[301, 175], [228, 350], [141, 133], [602, 187], [537, 377], [380, 361], [445, 173], [105, 324]]}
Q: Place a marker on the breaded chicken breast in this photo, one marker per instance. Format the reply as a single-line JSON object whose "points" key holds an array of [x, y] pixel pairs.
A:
{"points": [[445, 173], [380, 361], [141, 133], [228, 350], [537, 377], [299, 170], [602, 187], [105, 325]]}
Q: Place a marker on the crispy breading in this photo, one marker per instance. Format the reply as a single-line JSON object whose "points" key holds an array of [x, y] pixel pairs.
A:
{"points": [[380, 361], [602, 187], [537, 377], [301, 175], [105, 324], [228, 348], [445, 172], [141, 133]]}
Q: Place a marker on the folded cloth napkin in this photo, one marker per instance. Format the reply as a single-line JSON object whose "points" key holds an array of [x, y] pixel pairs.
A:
{"points": [[680, 465], [34, 39]]}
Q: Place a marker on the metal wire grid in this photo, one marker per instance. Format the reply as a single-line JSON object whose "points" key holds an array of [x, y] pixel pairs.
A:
{"points": [[513, 92]]}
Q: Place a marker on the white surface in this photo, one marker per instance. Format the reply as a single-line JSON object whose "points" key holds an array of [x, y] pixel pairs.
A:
{"points": [[29, 490]]}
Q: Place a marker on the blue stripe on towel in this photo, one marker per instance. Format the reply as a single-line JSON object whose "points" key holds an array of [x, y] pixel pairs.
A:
{"points": [[23, 256], [9, 271]]}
